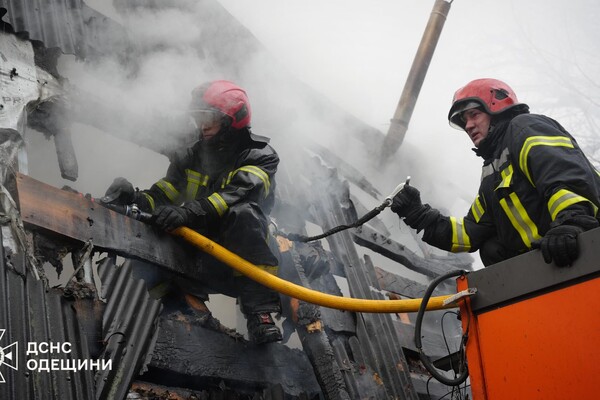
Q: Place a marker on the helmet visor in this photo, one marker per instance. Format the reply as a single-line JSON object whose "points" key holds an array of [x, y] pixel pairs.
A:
{"points": [[456, 117], [205, 117]]}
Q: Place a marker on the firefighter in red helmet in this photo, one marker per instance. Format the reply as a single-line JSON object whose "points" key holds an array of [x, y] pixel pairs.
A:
{"points": [[538, 189], [223, 187]]}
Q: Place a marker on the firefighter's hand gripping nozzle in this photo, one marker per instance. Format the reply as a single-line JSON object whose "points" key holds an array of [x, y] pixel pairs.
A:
{"points": [[129, 210], [388, 200], [133, 211]]}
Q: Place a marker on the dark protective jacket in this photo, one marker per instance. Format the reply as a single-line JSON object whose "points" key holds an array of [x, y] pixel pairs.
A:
{"points": [[228, 183], [533, 173], [219, 176]]}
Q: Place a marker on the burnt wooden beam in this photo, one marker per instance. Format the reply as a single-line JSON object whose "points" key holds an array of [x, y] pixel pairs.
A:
{"points": [[403, 286], [309, 325], [370, 238], [81, 218], [191, 356], [375, 332]]}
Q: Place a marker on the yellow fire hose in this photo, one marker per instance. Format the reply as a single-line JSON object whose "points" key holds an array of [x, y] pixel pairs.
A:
{"points": [[300, 292]]}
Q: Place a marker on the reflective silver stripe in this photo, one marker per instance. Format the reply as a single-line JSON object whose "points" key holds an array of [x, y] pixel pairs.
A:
{"points": [[460, 239], [495, 165], [539, 141], [168, 189], [563, 199], [506, 175], [519, 219], [487, 170], [218, 203], [150, 200], [477, 209], [499, 162]]}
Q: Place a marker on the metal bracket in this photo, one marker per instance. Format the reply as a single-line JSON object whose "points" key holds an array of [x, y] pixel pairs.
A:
{"points": [[460, 295]]}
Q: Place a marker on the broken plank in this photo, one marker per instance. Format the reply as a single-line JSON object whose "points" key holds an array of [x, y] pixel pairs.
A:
{"points": [[371, 239], [406, 287], [81, 218], [191, 356]]}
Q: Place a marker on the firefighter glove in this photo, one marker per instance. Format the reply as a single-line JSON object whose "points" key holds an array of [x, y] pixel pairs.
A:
{"points": [[560, 242], [406, 201], [171, 217], [120, 192]]}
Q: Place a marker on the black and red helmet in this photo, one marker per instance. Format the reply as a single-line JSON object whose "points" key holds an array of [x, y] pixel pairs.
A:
{"points": [[225, 98], [492, 95]]}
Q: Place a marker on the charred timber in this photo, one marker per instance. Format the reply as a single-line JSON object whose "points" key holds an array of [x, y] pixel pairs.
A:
{"points": [[81, 218], [188, 355]]}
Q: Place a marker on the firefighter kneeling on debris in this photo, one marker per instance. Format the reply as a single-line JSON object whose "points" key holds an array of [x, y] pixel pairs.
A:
{"points": [[222, 187]]}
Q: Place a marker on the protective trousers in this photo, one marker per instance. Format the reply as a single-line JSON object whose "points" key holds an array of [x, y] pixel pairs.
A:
{"points": [[243, 230]]}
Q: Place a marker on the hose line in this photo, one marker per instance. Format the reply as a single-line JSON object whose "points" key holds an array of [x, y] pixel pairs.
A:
{"points": [[299, 292], [427, 363]]}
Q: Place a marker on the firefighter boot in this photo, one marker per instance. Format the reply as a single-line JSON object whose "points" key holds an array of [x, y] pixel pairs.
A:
{"points": [[262, 328]]}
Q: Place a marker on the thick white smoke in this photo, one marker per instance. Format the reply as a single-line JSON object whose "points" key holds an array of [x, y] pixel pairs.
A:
{"points": [[358, 55]]}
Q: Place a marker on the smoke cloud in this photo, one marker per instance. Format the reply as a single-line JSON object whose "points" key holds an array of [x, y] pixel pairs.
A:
{"points": [[355, 54]]}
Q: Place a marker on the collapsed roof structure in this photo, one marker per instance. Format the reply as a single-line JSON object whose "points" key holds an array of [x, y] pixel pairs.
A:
{"points": [[111, 311]]}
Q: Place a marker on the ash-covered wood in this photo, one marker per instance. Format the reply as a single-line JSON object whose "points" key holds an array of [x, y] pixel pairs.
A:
{"points": [[191, 356], [80, 217]]}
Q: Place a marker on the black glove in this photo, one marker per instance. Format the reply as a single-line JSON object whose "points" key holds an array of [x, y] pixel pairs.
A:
{"points": [[171, 217], [120, 192], [560, 242], [406, 201]]}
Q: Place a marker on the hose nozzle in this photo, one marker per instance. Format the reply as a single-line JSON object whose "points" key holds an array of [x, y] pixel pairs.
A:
{"points": [[388, 200]]}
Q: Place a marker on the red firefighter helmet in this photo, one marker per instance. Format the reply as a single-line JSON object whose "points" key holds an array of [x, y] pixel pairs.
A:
{"points": [[224, 97], [492, 95]]}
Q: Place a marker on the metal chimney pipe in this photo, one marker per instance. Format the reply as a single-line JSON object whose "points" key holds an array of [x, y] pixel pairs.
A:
{"points": [[416, 76]]}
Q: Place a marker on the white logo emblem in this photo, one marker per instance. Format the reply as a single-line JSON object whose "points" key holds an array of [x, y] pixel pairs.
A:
{"points": [[8, 355]]}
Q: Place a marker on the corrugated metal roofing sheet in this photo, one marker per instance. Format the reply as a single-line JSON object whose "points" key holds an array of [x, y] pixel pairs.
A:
{"points": [[69, 25], [57, 23], [31, 314], [129, 328]]}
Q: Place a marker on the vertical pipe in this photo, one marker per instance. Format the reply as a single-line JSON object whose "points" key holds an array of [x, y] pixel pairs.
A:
{"points": [[412, 87]]}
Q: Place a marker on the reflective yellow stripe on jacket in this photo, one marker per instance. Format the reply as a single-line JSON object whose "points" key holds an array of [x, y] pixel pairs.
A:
{"points": [[218, 203], [169, 190], [254, 170], [460, 239], [539, 141], [194, 181], [217, 200], [563, 199], [519, 219], [150, 200], [262, 175], [477, 209]]}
